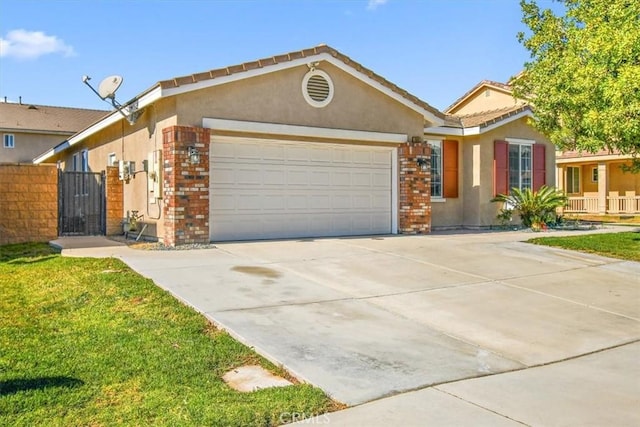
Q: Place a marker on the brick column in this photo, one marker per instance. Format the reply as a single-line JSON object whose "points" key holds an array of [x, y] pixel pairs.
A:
{"points": [[415, 192], [115, 201], [186, 186]]}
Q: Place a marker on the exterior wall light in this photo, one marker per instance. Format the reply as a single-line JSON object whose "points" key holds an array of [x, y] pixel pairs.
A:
{"points": [[423, 164], [194, 155]]}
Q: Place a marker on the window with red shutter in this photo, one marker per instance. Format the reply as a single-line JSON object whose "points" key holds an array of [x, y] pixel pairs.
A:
{"points": [[500, 167]]}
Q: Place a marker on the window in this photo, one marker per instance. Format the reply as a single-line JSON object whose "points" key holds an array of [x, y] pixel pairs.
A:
{"points": [[518, 163], [80, 163], [573, 179], [112, 160], [594, 174], [8, 141], [436, 168], [444, 169]]}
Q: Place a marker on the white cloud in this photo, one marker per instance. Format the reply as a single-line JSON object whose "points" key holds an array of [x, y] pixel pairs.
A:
{"points": [[373, 4], [24, 44]]}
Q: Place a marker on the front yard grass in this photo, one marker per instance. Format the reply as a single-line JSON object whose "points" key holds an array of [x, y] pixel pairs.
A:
{"points": [[616, 245], [90, 342]]}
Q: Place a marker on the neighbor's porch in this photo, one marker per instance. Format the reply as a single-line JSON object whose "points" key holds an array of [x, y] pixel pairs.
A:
{"points": [[599, 188]]}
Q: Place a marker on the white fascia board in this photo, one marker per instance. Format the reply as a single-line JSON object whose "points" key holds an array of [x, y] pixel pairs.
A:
{"points": [[590, 158], [475, 130], [443, 130], [304, 131], [146, 99], [296, 63]]}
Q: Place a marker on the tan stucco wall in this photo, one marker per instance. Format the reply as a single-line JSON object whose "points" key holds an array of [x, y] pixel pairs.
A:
{"points": [[272, 98], [473, 208], [481, 102], [27, 146], [277, 98], [621, 181], [133, 143]]}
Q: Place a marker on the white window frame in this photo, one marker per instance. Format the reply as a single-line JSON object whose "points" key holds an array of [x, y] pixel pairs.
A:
{"points": [[520, 143], [594, 174], [576, 182], [436, 143], [9, 140], [112, 159]]}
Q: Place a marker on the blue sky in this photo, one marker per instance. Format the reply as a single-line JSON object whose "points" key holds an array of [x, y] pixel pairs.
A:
{"points": [[435, 49]]}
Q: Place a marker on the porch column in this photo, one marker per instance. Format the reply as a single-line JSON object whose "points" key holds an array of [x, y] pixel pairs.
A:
{"points": [[603, 188], [185, 185]]}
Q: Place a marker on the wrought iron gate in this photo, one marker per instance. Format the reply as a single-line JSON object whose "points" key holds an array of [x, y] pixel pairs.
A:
{"points": [[81, 204]]}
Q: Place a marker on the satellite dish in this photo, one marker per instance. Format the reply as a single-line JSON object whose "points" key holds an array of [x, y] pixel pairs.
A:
{"points": [[109, 86]]}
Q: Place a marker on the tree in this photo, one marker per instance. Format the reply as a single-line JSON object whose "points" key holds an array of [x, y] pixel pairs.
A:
{"points": [[535, 207], [583, 79]]}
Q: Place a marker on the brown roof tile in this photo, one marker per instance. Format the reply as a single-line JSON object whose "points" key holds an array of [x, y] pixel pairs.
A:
{"points": [[287, 57], [486, 118], [43, 118]]}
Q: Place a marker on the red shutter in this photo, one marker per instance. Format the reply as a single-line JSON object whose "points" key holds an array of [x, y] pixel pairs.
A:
{"points": [[500, 167], [450, 169], [539, 166]]}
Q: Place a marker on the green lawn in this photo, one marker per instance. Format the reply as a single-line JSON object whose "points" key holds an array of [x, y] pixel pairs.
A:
{"points": [[617, 245], [90, 342]]}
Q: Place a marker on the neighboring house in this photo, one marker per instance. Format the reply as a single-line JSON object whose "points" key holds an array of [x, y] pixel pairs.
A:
{"points": [[598, 183], [486, 147], [28, 130]]}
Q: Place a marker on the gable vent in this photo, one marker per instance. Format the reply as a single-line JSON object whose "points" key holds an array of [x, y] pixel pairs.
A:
{"points": [[317, 88]]}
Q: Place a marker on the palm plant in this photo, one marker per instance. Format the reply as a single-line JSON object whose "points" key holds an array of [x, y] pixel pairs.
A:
{"points": [[535, 207]]}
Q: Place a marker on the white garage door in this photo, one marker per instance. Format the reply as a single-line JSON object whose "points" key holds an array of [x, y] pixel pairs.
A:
{"points": [[274, 189]]}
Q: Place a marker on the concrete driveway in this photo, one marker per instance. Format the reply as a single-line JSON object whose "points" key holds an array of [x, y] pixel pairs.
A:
{"points": [[367, 318]]}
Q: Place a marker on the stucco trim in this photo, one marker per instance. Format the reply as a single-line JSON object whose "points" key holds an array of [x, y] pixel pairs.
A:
{"points": [[302, 131]]}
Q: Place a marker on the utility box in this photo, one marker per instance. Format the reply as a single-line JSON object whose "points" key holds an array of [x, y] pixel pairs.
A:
{"points": [[154, 165], [126, 170]]}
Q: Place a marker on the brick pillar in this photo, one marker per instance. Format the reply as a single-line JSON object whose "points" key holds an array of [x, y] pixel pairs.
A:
{"points": [[115, 201], [415, 194], [186, 186]]}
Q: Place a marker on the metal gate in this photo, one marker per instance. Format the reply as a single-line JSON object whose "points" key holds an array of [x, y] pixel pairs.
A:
{"points": [[81, 204]]}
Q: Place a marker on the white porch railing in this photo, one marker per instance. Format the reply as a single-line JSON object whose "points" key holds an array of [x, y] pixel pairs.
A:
{"points": [[582, 205], [623, 204], [615, 205]]}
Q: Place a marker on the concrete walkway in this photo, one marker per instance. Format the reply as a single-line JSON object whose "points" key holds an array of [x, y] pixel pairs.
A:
{"points": [[369, 318]]}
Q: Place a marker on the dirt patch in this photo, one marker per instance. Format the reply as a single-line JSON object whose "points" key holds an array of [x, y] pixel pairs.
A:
{"points": [[251, 378]]}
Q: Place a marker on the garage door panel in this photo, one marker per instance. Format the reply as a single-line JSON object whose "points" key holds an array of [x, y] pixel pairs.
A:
{"points": [[280, 190]]}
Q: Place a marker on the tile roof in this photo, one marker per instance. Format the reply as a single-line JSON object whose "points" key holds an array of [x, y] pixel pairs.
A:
{"points": [[287, 57], [484, 118], [502, 86], [42, 118]]}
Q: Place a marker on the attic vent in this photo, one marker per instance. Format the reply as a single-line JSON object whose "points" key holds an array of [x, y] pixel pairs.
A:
{"points": [[317, 88]]}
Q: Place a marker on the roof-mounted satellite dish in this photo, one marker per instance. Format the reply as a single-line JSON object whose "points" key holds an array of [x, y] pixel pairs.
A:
{"points": [[109, 86], [107, 90]]}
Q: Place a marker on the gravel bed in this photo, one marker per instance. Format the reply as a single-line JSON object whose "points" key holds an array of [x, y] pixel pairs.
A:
{"points": [[157, 246]]}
